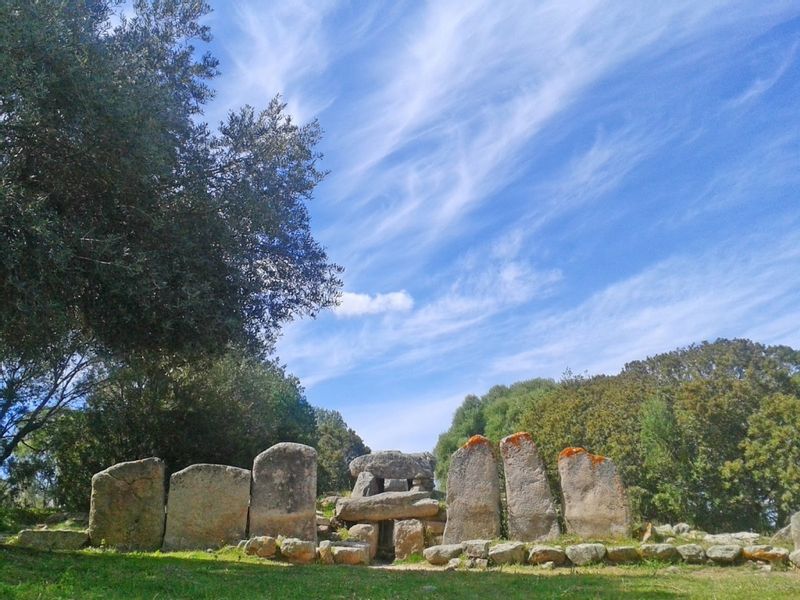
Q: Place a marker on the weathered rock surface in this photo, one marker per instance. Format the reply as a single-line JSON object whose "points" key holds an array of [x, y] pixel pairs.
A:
{"points": [[206, 507], [473, 493], [387, 505], [409, 538], [283, 498], [507, 553], [532, 514], [366, 533], [127, 505], [742, 538], [794, 558], [263, 546], [366, 485], [681, 528], [298, 551], [692, 553], [586, 554], [595, 501], [477, 548], [52, 539], [794, 526], [724, 554], [393, 464], [443, 553], [783, 534], [662, 552], [766, 553], [422, 484], [350, 553], [325, 553], [395, 485], [434, 527], [540, 555], [622, 554]]}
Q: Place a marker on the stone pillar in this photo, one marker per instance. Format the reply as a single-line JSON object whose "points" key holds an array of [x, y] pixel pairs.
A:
{"points": [[284, 492], [409, 538], [207, 507], [473, 493], [595, 501], [366, 485], [127, 505], [532, 514]]}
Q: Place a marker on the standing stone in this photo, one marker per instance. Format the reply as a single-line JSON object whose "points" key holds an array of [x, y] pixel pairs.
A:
{"points": [[794, 525], [595, 501], [206, 507], [366, 485], [368, 534], [127, 505], [409, 538], [284, 492], [473, 493], [532, 514]]}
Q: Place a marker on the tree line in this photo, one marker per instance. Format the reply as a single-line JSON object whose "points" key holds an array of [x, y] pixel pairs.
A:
{"points": [[708, 434]]}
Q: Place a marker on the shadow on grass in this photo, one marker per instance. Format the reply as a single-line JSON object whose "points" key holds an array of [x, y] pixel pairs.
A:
{"points": [[32, 574]]}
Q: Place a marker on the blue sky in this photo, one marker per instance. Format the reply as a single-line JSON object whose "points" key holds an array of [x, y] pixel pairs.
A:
{"points": [[518, 188]]}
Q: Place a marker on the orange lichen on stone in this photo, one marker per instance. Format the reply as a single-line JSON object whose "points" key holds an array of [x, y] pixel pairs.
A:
{"points": [[570, 452], [517, 438], [476, 440], [596, 458]]}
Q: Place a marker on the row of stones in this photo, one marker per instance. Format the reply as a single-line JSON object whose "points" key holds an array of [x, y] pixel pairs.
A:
{"points": [[591, 553], [208, 505], [595, 500]]}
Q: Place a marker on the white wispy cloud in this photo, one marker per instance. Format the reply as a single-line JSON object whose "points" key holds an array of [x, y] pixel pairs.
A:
{"points": [[354, 304]]}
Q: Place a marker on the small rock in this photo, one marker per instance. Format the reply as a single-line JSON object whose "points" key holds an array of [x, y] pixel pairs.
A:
{"points": [[507, 553], [622, 554], [665, 530], [766, 553], [681, 528], [442, 554], [52, 539], [724, 554], [263, 546], [548, 566], [350, 553], [453, 564], [477, 548], [586, 554], [541, 554], [298, 551], [325, 553], [662, 552], [794, 558], [692, 553]]}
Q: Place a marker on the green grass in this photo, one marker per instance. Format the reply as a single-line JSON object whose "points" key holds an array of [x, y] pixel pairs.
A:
{"points": [[228, 574]]}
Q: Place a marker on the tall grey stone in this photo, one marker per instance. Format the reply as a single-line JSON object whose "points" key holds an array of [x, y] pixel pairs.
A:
{"points": [[207, 507], [532, 514], [393, 464], [595, 501], [127, 505], [366, 485], [284, 492], [473, 493], [794, 525]]}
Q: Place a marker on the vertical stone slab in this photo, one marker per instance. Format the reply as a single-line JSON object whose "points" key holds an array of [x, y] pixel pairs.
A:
{"points": [[595, 500], [409, 538], [532, 515], [284, 492], [127, 505], [473, 493], [366, 485], [207, 507]]}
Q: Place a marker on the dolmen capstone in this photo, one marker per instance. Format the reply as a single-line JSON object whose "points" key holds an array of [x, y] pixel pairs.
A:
{"points": [[127, 505], [284, 491], [392, 471], [532, 514], [595, 501], [386, 506], [207, 507], [473, 493]]}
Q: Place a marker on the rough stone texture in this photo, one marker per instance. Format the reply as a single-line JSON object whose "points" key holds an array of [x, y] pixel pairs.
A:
{"points": [[742, 538], [595, 501], [782, 535], [443, 553], [622, 554], [366, 485], [724, 554], [127, 505], [393, 464], [350, 553], [507, 553], [206, 507], [325, 553], [52, 539], [762, 552], [664, 530], [681, 528], [477, 548], [395, 485], [368, 534], [298, 551], [263, 546], [478, 563], [473, 493], [387, 505], [692, 553], [540, 555], [422, 484], [794, 558], [794, 526], [586, 554], [662, 552], [454, 563], [434, 527], [409, 538], [283, 498], [532, 514]]}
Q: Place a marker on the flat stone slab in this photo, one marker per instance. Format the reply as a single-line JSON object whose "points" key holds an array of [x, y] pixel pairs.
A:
{"points": [[540, 555], [298, 551], [692, 553], [662, 552], [443, 553], [724, 554], [586, 554], [622, 554], [350, 553], [507, 553], [393, 464], [207, 507], [386, 506], [52, 539]]}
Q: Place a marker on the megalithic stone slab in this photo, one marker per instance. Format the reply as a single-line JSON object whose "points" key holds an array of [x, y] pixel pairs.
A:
{"points": [[532, 514], [127, 505], [284, 491], [473, 493], [393, 464], [207, 507], [595, 500], [386, 506], [366, 485]]}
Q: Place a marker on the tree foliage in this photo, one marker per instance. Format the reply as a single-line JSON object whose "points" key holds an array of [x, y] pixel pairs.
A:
{"points": [[336, 445]]}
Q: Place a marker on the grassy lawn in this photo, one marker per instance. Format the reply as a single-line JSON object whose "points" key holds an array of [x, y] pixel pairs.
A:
{"points": [[228, 574]]}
